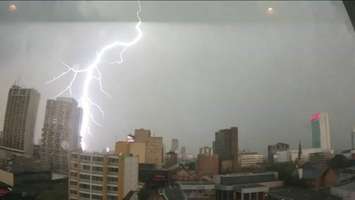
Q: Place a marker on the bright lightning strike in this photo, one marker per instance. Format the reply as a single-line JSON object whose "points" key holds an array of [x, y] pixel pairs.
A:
{"points": [[92, 74]]}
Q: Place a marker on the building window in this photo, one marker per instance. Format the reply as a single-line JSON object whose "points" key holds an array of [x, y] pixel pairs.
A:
{"points": [[112, 170], [83, 195], [84, 186], [73, 192], [113, 160], [96, 197], [112, 179], [98, 159], [109, 197], [84, 176], [96, 178], [111, 188], [97, 188], [85, 167], [97, 169]]}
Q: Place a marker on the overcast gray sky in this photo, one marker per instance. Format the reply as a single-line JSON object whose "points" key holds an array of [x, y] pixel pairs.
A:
{"points": [[200, 66]]}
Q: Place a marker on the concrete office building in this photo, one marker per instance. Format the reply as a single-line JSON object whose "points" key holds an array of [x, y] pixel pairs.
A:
{"points": [[227, 148], [60, 132], [97, 176], [320, 131], [20, 120]]}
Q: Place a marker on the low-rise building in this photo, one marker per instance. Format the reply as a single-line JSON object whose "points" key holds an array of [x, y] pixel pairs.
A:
{"points": [[102, 176], [245, 186]]}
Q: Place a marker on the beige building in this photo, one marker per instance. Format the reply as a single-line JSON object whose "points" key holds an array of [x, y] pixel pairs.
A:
{"points": [[251, 159], [135, 148], [20, 120], [97, 176], [154, 146], [60, 132], [148, 148]]}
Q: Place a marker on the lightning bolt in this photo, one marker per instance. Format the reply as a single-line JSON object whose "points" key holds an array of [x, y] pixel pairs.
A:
{"points": [[92, 75]]}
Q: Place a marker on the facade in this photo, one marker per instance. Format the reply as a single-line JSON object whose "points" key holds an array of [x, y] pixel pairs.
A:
{"points": [[251, 160], [60, 132], [98, 176], [227, 148], [245, 186], [272, 149], [137, 149], [153, 145], [320, 131], [207, 162], [20, 120]]}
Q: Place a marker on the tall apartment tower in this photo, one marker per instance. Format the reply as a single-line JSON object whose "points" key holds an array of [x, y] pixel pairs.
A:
{"points": [[60, 132], [320, 131], [20, 120], [227, 148]]}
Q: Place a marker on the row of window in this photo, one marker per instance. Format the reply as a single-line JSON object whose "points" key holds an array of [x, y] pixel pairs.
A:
{"points": [[86, 158], [95, 196]]}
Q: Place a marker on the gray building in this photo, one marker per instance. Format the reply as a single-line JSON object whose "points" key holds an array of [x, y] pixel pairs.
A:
{"points": [[20, 120], [226, 146], [272, 149], [60, 132]]}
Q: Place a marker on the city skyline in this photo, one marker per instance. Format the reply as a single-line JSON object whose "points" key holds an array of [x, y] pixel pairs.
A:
{"points": [[177, 96]]}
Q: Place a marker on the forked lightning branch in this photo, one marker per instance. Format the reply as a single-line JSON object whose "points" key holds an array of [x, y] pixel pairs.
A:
{"points": [[93, 77]]}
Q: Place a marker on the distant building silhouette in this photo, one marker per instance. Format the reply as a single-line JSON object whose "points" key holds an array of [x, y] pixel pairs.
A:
{"points": [[174, 145], [60, 132], [20, 120], [227, 148]]}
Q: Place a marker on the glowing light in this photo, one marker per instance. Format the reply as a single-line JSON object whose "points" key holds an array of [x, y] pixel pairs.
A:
{"points": [[270, 11], [12, 8], [92, 75]]}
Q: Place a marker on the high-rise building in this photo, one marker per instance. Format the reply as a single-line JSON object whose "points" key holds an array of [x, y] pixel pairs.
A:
{"points": [[320, 131], [20, 120], [174, 145], [227, 148], [273, 149], [183, 154], [207, 162], [60, 132], [102, 176], [153, 145]]}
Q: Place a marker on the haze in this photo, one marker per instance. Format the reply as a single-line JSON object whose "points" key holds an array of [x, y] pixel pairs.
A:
{"points": [[200, 67]]}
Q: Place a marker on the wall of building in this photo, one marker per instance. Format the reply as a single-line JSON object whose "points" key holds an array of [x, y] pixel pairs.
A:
{"points": [[7, 177]]}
